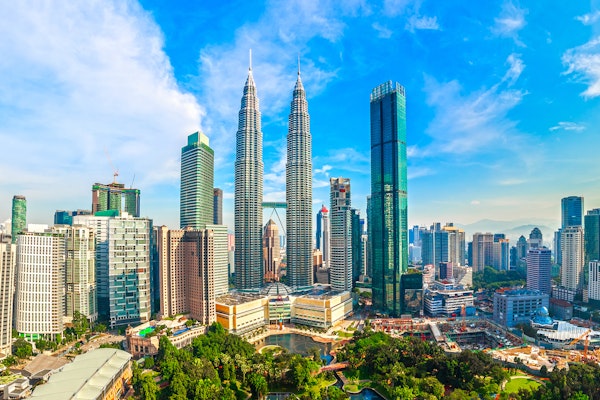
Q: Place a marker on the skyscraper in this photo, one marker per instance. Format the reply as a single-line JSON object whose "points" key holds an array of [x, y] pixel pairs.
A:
{"points": [[218, 206], [536, 240], [388, 205], [187, 260], [40, 291], [483, 251], [8, 265], [298, 191], [571, 211], [538, 270], [271, 251], [340, 272], [592, 235], [197, 183], [319, 230], [356, 244], [571, 271], [114, 196], [19, 216], [326, 237], [248, 191]]}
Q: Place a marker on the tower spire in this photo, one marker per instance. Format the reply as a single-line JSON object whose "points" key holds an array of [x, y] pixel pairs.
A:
{"points": [[250, 64], [298, 64]]}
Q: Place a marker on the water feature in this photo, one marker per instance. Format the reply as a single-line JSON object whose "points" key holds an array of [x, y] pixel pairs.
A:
{"points": [[297, 344], [366, 394]]}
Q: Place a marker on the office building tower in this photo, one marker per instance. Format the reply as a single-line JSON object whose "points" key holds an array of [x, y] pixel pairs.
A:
{"points": [[123, 262], [340, 273], [483, 251], [217, 206], [326, 237], [320, 228], [19, 216], [364, 247], [8, 265], [572, 246], [62, 217], [220, 238], [356, 243], [501, 257], [186, 259], [40, 290], [592, 235], [271, 251], [594, 280], [248, 192], [557, 247], [80, 271], [298, 191], [442, 244], [197, 183], [521, 248], [539, 267], [388, 216], [571, 211], [114, 196], [446, 270], [536, 239]]}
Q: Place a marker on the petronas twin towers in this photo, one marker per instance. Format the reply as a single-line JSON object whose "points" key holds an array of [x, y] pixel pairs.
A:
{"points": [[249, 169]]}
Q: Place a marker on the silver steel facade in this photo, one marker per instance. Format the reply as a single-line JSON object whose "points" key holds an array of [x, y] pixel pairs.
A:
{"points": [[340, 270], [298, 191], [248, 192]]}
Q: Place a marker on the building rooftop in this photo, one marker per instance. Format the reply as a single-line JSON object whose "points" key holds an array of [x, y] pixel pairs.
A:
{"points": [[86, 377], [43, 364], [235, 298]]}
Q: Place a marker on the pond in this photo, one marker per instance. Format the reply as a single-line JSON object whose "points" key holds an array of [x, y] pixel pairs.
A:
{"points": [[366, 394], [297, 344]]}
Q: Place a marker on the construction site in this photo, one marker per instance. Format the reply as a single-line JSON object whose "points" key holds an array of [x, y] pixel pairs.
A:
{"points": [[455, 335]]}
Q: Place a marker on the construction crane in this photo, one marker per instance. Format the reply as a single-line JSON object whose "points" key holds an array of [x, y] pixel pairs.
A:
{"points": [[463, 314], [585, 334], [115, 171]]}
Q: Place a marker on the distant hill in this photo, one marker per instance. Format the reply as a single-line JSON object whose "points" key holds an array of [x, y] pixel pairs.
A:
{"points": [[512, 229]]}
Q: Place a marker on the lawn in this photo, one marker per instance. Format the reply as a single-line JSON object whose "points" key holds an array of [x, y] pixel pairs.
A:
{"points": [[514, 385]]}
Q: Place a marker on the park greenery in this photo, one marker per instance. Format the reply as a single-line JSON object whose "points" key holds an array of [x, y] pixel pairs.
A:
{"points": [[492, 279], [223, 366]]}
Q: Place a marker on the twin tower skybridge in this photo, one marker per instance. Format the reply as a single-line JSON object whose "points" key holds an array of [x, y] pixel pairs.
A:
{"points": [[274, 205]]}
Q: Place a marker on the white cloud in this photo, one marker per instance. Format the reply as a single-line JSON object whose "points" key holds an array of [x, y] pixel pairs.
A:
{"points": [[417, 172], [583, 62], [383, 31], [511, 182], [568, 126], [323, 170], [416, 22], [83, 77], [590, 18], [393, 8], [510, 21], [472, 122], [475, 202]]}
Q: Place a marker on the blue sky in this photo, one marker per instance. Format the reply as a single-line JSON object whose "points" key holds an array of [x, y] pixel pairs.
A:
{"points": [[502, 99]]}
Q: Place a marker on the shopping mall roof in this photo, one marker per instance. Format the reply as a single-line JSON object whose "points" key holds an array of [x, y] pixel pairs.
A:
{"points": [[86, 377]]}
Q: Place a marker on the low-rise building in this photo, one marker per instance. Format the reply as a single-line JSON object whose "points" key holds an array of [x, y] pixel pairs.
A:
{"points": [[323, 310], [446, 299], [143, 340], [242, 313], [515, 306], [100, 374], [561, 309]]}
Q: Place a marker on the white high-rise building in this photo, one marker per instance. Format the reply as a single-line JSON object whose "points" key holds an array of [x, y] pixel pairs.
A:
{"points": [[539, 266], [298, 191], [40, 291], [572, 249], [8, 264], [340, 271], [220, 258], [594, 280]]}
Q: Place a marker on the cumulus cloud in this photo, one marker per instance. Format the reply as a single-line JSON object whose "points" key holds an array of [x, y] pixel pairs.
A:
{"points": [[583, 63], [382, 31], [77, 78], [590, 18]]}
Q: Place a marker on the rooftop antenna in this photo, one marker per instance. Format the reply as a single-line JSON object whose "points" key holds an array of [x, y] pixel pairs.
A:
{"points": [[133, 180], [298, 63], [250, 68]]}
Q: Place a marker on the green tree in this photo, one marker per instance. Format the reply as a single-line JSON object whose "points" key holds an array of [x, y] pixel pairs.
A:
{"points": [[100, 328], [258, 385], [148, 388], [22, 348], [149, 362], [80, 324]]}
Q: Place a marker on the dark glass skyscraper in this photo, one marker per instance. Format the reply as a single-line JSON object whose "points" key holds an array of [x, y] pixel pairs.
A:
{"points": [[248, 192], [298, 191], [592, 236], [572, 211], [388, 205]]}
